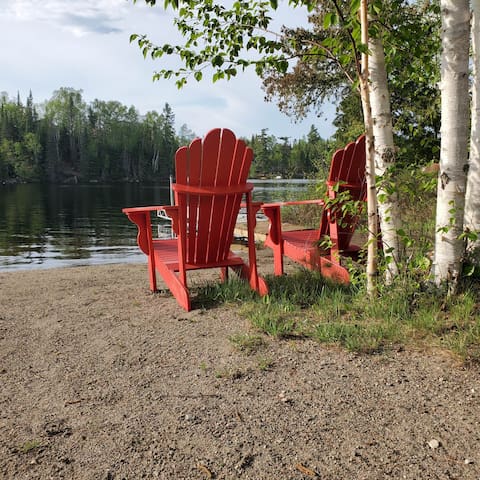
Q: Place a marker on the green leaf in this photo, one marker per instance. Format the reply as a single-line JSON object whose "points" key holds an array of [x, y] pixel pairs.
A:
{"points": [[469, 270], [283, 66], [198, 76], [181, 82], [231, 72], [218, 76], [354, 6], [328, 20], [217, 61]]}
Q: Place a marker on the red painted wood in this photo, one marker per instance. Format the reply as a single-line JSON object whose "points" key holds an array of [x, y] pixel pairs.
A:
{"points": [[347, 173], [210, 182]]}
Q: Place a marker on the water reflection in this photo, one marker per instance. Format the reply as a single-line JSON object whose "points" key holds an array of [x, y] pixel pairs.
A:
{"points": [[45, 226]]}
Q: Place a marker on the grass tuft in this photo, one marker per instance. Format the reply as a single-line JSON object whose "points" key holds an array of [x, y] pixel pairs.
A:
{"points": [[234, 290], [30, 445], [247, 343]]}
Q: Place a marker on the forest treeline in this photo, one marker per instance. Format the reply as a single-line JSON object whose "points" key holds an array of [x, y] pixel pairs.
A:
{"points": [[66, 139]]}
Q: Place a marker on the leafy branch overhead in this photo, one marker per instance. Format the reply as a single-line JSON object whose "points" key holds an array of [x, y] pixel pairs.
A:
{"points": [[230, 39]]}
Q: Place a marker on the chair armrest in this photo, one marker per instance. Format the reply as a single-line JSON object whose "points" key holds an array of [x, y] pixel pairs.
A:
{"points": [[141, 216], [272, 212], [294, 202], [129, 210], [255, 205]]}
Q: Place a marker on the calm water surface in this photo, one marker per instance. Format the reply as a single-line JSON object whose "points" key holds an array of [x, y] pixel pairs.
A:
{"points": [[46, 226]]}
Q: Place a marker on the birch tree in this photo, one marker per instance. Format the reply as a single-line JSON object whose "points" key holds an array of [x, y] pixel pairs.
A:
{"points": [[449, 245], [388, 206], [363, 77], [472, 198]]}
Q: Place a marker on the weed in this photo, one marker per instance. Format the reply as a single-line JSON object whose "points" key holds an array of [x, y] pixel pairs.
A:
{"points": [[234, 290], [246, 342], [272, 320], [30, 445], [229, 373], [264, 363]]}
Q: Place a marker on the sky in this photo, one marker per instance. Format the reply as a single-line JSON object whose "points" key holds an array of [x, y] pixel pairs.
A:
{"points": [[84, 44]]}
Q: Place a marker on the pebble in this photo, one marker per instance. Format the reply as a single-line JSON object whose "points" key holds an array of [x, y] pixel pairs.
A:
{"points": [[283, 397], [433, 444], [468, 461]]}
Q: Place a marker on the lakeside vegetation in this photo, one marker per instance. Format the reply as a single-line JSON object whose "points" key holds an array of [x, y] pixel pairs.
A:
{"points": [[407, 315], [67, 140], [410, 313]]}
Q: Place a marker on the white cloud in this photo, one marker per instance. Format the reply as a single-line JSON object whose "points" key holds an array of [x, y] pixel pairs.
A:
{"points": [[80, 17], [84, 44]]}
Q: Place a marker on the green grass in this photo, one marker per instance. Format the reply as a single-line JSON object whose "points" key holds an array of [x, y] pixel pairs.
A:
{"points": [[233, 290], [30, 445], [247, 343], [264, 363], [411, 313], [408, 314]]}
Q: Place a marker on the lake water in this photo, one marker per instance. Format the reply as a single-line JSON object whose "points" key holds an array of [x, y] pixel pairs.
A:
{"points": [[46, 226]]}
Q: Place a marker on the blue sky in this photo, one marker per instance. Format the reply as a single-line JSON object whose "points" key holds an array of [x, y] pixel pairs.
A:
{"points": [[84, 44]]}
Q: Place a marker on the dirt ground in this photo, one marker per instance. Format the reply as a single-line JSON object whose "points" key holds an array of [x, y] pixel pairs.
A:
{"points": [[101, 379]]}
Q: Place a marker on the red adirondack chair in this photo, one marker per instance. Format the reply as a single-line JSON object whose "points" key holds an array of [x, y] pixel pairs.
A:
{"points": [[347, 173], [211, 180]]}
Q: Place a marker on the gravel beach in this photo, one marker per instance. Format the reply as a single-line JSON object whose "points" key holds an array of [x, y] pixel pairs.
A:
{"points": [[101, 379]]}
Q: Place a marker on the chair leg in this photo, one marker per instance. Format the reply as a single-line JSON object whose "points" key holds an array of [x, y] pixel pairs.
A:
{"points": [[255, 281], [334, 271], [224, 274], [151, 274], [278, 260], [274, 238], [178, 289]]}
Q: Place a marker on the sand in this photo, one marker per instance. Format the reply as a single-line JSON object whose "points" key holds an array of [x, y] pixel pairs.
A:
{"points": [[101, 379]]}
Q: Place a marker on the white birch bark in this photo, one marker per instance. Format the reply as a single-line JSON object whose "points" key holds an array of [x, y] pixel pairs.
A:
{"points": [[388, 207], [472, 197], [372, 252], [449, 248]]}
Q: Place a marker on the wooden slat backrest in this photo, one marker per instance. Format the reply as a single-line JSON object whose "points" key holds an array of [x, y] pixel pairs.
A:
{"points": [[237, 174], [347, 167], [220, 161]]}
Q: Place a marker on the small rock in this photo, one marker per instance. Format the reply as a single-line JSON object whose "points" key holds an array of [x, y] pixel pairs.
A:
{"points": [[433, 444], [468, 461], [283, 397]]}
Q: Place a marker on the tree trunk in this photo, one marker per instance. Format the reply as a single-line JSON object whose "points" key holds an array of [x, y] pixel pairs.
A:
{"points": [[449, 247], [472, 198], [372, 251], [388, 207]]}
